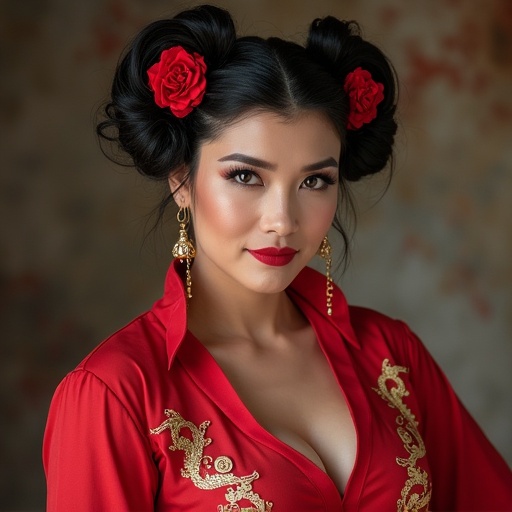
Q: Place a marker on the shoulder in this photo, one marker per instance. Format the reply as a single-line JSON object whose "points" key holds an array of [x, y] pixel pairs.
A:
{"points": [[367, 321], [126, 361], [377, 331], [135, 344], [372, 330], [118, 372]]}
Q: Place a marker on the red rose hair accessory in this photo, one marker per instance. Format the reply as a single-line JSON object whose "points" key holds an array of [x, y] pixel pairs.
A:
{"points": [[364, 95], [178, 80]]}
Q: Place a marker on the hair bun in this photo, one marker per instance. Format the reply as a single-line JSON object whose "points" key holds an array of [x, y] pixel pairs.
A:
{"points": [[339, 47], [208, 30], [156, 140]]}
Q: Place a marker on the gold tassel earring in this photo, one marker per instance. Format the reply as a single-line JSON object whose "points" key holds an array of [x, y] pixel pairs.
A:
{"points": [[325, 252], [184, 248]]}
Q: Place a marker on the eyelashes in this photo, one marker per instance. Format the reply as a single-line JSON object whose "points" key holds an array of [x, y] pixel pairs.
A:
{"points": [[246, 177], [327, 178], [243, 176]]}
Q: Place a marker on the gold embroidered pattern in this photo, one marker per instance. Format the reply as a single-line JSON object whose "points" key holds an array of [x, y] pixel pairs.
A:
{"points": [[223, 464], [196, 464], [408, 431]]}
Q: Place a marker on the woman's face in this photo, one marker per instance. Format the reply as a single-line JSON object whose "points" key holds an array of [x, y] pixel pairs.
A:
{"points": [[265, 194]]}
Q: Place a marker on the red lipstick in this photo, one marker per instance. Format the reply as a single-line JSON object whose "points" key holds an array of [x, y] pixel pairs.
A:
{"points": [[274, 256]]}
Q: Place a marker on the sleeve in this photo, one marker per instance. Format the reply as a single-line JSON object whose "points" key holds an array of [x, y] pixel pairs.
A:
{"points": [[94, 456], [467, 472]]}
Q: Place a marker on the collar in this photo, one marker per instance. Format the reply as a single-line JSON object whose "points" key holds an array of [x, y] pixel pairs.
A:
{"points": [[307, 291]]}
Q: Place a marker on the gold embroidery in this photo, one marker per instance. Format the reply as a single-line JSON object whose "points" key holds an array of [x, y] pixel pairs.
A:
{"points": [[196, 463], [223, 464], [413, 443]]}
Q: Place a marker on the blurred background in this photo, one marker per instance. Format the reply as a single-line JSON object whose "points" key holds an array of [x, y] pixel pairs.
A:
{"points": [[436, 250]]}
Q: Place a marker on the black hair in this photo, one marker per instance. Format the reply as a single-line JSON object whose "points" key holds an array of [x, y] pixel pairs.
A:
{"points": [[244, 75]]}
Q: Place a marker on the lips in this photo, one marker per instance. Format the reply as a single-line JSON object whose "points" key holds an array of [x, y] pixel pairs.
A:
{"points": [[274, 256]]}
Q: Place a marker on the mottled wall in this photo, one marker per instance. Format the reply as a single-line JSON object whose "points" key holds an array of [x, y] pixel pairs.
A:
{"points": [[435, 251]]}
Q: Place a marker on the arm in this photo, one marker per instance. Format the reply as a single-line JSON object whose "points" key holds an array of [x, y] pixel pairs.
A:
{"points": [[467, 472], [94, 455]]}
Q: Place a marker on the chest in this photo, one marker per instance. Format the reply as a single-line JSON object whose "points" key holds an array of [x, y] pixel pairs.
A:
{"points": [[294, 395], [215, 452]]}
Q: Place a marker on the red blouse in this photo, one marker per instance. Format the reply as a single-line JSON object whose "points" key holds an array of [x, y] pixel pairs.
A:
{"points": [[148, 421]]}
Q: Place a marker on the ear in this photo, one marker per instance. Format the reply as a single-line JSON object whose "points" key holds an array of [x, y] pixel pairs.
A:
{"points": [[179, 189]]}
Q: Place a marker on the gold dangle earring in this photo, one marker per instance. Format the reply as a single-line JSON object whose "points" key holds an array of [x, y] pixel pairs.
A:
{"points": [[325, 252], [184, 248]]}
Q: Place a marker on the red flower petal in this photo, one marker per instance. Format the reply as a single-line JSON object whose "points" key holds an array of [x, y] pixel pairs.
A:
{"points": [[178, 80], [364, 96]]}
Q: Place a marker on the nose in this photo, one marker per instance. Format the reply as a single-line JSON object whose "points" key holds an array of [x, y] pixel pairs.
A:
{"points": [[279, 213]]}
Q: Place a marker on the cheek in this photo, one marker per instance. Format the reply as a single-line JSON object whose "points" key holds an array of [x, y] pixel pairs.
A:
{"points": [[221, 209], [321, 214], [326, 214]]}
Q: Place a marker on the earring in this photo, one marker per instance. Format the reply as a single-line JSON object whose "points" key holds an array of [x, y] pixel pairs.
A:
{"points": [[184, 248], [325, 252]]}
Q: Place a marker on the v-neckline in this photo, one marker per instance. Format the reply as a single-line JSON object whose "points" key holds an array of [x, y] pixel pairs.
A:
{"points": [[209, 376]]}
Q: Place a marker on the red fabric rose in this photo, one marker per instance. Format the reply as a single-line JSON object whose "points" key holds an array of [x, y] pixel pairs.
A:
{"points": [[364, 95], [178, 80]]}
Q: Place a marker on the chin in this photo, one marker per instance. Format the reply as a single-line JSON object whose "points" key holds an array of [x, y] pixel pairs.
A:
{"points": [[274, 281]]}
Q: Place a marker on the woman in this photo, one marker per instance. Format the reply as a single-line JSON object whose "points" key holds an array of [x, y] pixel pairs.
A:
{"points": [[251, 385]]}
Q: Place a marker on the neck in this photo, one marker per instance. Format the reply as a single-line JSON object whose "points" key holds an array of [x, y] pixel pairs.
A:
{"points": [[223, 309]]}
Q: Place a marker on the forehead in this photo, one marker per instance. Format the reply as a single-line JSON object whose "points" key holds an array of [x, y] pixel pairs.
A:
{"points": [[306, 135]]}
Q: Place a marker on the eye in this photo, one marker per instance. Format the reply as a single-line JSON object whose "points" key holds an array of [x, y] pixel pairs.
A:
{"points": [[317, 182], [312, 182], [244, 177]]}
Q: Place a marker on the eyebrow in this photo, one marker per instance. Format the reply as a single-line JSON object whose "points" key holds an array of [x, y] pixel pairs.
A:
{"points": [[262, 164]]}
